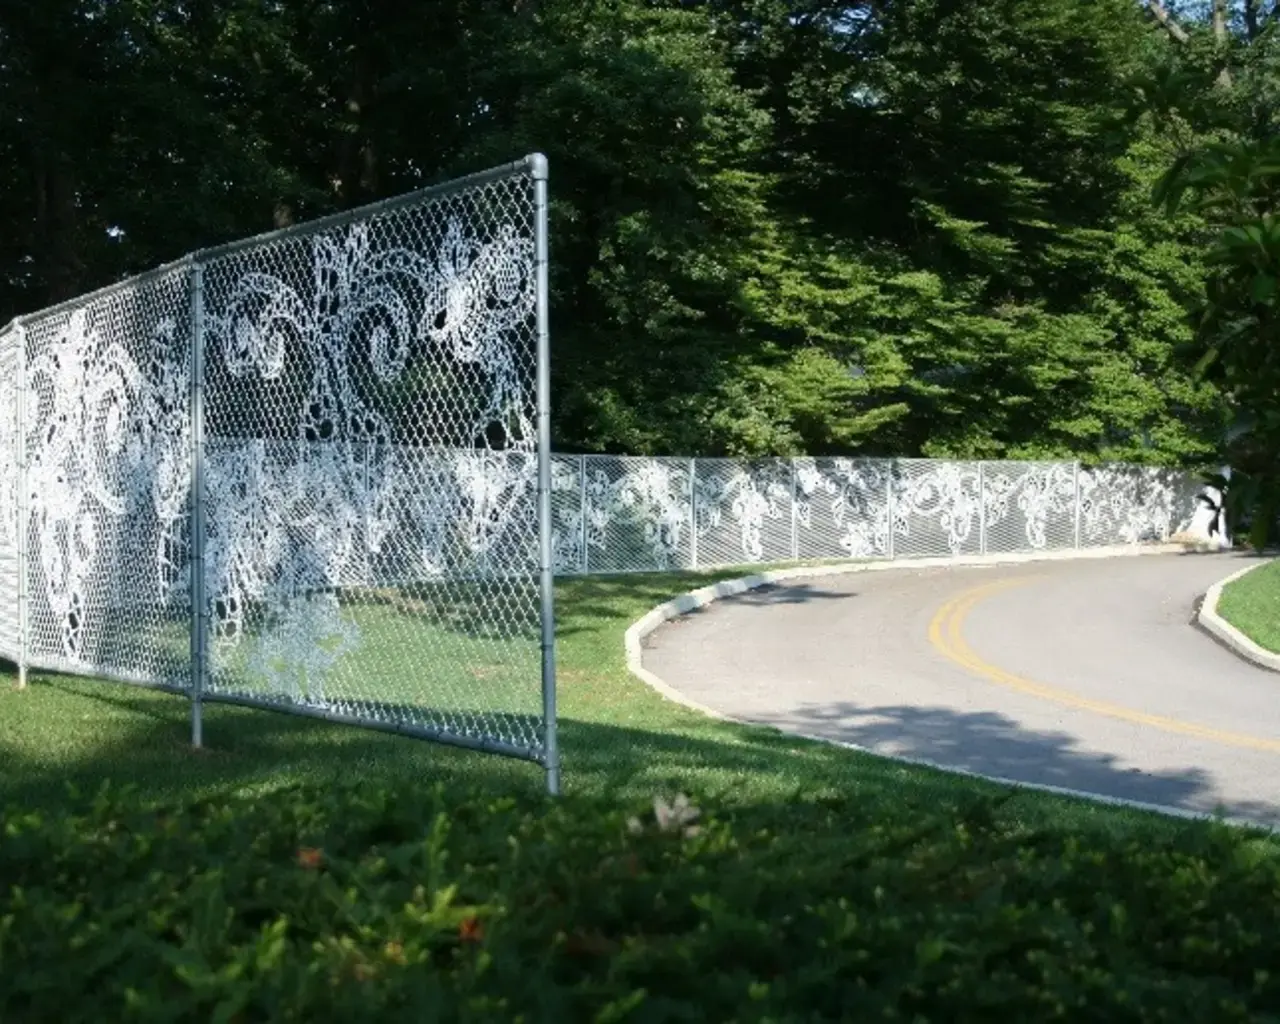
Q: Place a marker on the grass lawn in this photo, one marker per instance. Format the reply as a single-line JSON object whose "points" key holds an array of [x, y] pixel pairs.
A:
{"points": [[1252, 605], [300, 870], [618, 738]]}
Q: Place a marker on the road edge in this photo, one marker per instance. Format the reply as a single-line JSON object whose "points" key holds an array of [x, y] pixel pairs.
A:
{"points": [[1221, 630], [694, 599]]}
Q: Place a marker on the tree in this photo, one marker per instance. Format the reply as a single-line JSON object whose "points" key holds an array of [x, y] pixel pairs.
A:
{"points": [[1236, 188], [835, 226], [1214, 93]]}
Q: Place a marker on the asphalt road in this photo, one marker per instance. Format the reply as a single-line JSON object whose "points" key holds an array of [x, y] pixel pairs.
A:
{"points": [[1082, 674]]}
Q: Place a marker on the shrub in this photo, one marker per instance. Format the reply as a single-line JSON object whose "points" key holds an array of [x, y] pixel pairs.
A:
{"points": [[368, 904]]}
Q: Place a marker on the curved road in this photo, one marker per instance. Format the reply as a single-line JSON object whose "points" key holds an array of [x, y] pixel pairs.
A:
{"points": [[1083, 674]]}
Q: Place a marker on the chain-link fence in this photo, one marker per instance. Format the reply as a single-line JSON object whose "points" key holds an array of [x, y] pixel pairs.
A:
{"points": [[105, 482], [616, 514], [11, 640], [309, 472], [312, 472]]}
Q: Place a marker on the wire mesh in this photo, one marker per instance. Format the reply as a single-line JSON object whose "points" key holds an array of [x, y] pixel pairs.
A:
{"points": [[1028, 506], [568, 514], [636, 513], [842, 508], [371, 468], [10, 385], [936, 508], [358, 409], [744, 511], [107, 451], [1123, 504], [1183, 497]]}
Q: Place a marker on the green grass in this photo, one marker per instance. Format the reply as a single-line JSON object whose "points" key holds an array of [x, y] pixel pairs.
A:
{"points": [[617, 736], [300, 870], [1252, 605]]}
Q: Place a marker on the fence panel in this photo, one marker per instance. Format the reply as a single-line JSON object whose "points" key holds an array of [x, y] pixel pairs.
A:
{"points": [[108, 450], [936, 508], [637, 514], [1028, 506], [842, 508], [10, 392], [1121, 504], [744, 511], [371, 483], [568, 514]]}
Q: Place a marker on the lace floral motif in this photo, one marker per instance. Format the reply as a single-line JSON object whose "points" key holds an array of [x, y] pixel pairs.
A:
{"points": [[292, 520], [110, 440]]}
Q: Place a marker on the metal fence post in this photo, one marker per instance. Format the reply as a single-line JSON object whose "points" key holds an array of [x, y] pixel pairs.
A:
{"points": [[23, 525], [888, 505], [199, 613], [693, 514], [1078, 503], [795, 518], [546, 569], [982, 508], [585, 561], [1223, 526]]}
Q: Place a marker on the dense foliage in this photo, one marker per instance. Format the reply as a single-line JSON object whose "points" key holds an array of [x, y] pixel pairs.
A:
{"points": [[1220, 102], [378, 905], [853, 226]]}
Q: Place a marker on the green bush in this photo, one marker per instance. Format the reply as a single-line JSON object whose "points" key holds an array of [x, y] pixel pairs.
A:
{"points": [[369, 904]]}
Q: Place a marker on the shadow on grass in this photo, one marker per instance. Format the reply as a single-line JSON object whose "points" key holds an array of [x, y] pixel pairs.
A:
{"points": [[128, 737]]}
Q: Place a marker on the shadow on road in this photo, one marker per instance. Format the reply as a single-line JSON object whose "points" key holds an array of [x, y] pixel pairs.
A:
{"points": [[991, 744], [801, 593]]}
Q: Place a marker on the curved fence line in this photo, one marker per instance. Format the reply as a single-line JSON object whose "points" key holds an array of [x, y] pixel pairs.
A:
{"points": [[311, 471], [615, 514]]}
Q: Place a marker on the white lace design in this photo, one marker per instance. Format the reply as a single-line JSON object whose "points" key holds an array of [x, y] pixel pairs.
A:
{"points": [[371, 479], [642, 514], [10, 385], [108, 481]]}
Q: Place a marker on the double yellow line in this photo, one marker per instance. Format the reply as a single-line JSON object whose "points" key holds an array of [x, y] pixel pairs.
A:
{"points": [[946, 635]]}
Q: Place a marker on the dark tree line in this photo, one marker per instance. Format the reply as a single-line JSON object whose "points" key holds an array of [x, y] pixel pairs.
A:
{"points": [[887, 226]]}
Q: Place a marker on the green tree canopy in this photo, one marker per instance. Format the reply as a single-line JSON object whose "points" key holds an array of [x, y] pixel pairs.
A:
{"points": [[875, 226]]}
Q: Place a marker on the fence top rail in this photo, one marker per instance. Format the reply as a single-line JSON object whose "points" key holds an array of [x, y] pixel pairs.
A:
{"points": [[535, 164], [99, 293]]}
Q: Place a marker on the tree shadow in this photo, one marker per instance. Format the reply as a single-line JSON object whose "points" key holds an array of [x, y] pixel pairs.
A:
{"points": [[991, 744], [140, 739], [791, 593]]}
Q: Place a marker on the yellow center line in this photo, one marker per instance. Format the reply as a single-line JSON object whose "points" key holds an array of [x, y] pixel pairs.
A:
{"points": [[946, 635]]}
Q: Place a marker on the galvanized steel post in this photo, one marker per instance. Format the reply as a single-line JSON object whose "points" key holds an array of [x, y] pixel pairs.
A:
{"points": [[546, 570], [199, 613], [982, 508], [1078, 503], [795, 521], [24, 497], [693, 513], [585, 561], [889, 511]]}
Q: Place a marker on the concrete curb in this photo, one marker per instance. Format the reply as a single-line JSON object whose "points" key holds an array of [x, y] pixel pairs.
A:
{"points": [[700, 598], [1230, 637]]}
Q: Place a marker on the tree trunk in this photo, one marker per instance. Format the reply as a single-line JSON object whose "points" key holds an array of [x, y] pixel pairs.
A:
{"points": [[1162, 15], [1251, 20], [1222, 38]]}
